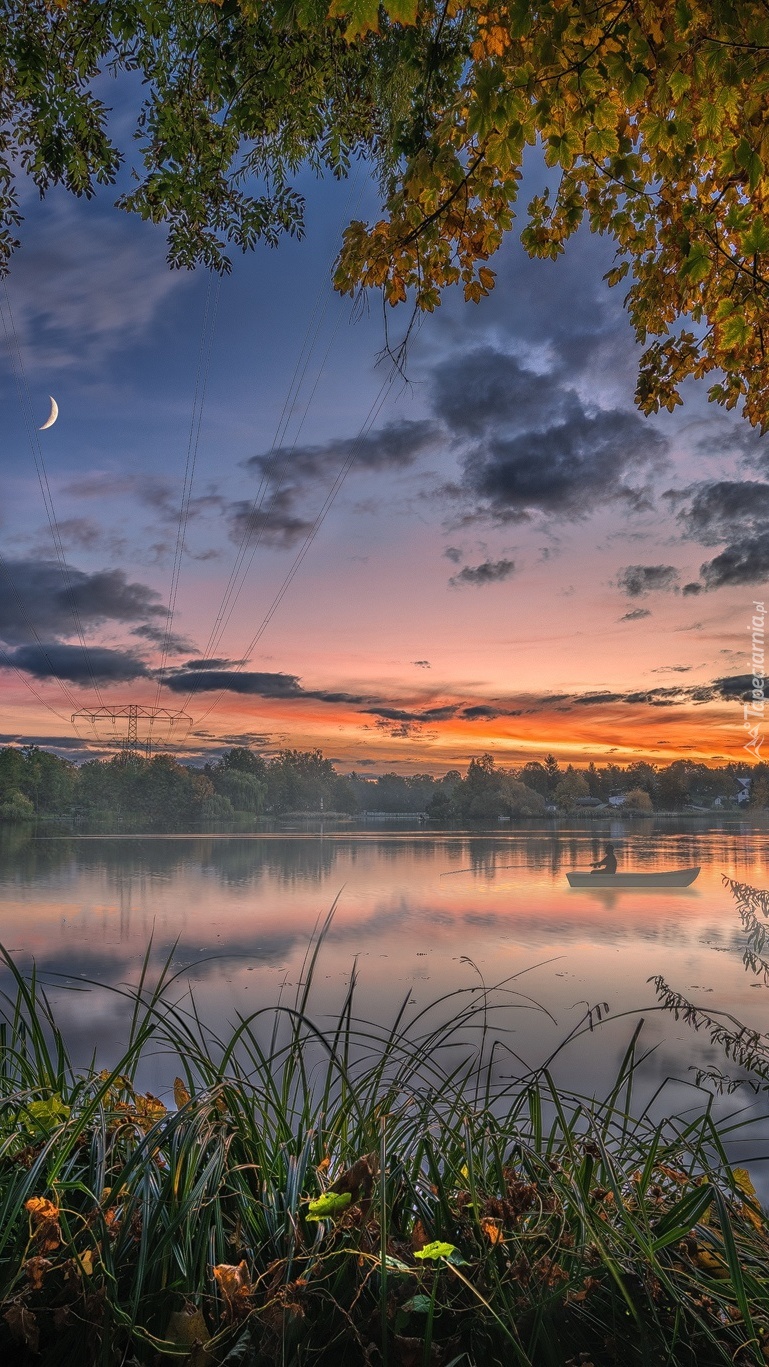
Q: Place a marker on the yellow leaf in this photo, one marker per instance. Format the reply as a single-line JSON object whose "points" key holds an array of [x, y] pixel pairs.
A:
{"points": [[492, 1231], [181, 1095]]}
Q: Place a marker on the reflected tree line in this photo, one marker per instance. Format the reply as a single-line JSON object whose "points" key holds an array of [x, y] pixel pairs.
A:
{"points": [[160, 793]]}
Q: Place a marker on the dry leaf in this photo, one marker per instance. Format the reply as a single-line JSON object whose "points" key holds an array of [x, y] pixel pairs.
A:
{"points": [[181, 1095], [188, 1328], [235, 1285], [492, 1230], [419, 1235], [44, 1220], [23, 1326], [36, 1269]]}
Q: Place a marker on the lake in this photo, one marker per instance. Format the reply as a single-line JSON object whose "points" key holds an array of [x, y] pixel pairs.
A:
{"points": [[420, 912]]}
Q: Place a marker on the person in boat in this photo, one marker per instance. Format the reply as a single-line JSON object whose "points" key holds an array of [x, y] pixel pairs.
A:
{"points": [[608, 864]]}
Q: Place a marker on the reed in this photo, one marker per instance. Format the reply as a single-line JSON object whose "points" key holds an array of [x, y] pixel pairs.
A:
{"points": [[356, 1194]]}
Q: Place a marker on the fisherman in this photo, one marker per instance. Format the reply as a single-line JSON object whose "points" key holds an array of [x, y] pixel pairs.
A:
{"points": [[608, 864]]}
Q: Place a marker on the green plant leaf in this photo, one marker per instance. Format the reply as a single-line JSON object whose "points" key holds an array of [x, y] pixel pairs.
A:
{"points": [[329, 1204], [436, 1250]]}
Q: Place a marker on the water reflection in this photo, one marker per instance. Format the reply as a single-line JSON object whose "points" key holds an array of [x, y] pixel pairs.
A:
{"points": [[236, 915]]}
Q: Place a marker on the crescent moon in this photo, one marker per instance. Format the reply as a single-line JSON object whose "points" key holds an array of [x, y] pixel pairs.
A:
{"points": [[53, 415]]}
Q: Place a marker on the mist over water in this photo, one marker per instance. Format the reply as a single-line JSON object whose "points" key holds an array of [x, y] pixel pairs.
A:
{"points": [[420, 913]]}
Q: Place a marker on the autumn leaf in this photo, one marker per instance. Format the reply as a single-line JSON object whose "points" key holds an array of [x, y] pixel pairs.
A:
{"points": [[234, 1282], [362, 16], [492, 1230], [181, 1095], [23, 1326], [44, 1222], [36, 1269]]}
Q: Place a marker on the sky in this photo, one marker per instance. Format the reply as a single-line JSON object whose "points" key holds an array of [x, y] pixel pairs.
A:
{"points": [[494, 552]]}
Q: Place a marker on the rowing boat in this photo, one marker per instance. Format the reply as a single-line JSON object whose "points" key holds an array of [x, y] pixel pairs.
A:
{"points": [[669, 878]]}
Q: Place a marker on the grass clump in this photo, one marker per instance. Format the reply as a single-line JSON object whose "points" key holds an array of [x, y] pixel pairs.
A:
{"points": [[357, 1195]]}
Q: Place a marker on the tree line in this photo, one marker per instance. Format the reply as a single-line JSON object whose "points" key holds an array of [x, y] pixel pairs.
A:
{"points": [[162, 792]]}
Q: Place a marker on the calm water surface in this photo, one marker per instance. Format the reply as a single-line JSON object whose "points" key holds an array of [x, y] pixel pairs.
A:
{"points": [[421, 912]]}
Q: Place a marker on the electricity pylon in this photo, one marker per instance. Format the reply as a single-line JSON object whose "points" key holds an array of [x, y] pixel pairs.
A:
{"points": [[132, 743]]}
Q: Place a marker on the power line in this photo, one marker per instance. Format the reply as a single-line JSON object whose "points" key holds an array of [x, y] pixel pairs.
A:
{"points": [[201, 382], [341, 476], [249, 539]]}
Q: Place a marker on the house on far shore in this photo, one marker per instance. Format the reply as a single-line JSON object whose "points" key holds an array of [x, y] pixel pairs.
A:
{"points": [[743, 790], [617, 800], [594, 802]]}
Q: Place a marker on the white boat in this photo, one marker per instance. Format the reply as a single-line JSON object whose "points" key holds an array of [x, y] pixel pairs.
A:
{"points": [[668, 878]]}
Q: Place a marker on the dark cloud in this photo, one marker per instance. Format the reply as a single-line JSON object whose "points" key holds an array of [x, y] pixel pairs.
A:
{"points": [[721, 510], [689, 590], [734, 686], [175, 644], [490, 572], [427, 714], [214, 662], [735, 512], [275, 523], [395, 446], [149, 490], [638, 580], [56, 661], [45, 742], [212, 679], [288, 473], [528, 443], [453, 554], [744, 562], [36, 591], [635, 615], [202, 679], [421, 664], [485, 712]]}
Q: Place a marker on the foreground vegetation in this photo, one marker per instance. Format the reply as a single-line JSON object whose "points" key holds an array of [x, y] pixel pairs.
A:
{"points": [[361, 1195], [160, 792]]}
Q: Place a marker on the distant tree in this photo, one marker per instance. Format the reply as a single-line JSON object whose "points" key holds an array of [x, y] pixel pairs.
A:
{"points": [[641, 775], [242, 789], [16, 807], [638, 800], [520, 800], [571, 786], [673, 786], [593, 780], [535, 776], [216, 808], [759, 786], [301, 780], [553, 772], [243, 761]]}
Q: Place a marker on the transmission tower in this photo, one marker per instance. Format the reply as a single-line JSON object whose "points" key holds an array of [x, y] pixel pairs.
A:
{"points": [[132, 742]]}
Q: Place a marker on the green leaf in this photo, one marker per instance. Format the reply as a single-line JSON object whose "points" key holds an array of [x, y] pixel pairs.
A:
{"points": [[679, 1220], [329, 1204], [418, 1305], [756, 240], [697, 264], [43, 1116], [601, 142], [436, 1250], [750, 161]]}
